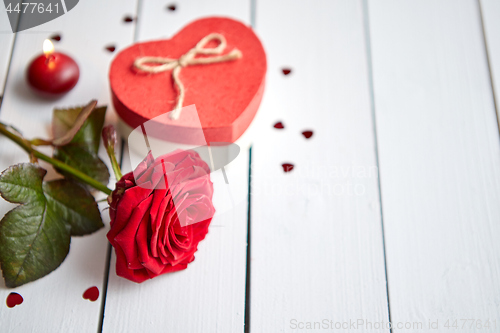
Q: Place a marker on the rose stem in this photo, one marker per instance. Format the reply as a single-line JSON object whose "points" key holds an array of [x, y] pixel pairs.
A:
{"points": [[114, 164], [25, 144], [109, 141]]}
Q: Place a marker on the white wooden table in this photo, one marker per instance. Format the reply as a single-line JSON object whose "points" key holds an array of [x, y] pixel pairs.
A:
{"points": [[392, 210]]}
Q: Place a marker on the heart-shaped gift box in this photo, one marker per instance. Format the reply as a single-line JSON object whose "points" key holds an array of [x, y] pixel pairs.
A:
{"points": [[226, 94]]}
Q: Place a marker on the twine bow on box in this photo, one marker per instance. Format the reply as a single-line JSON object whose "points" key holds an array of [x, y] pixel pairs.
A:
{"points": [[187, 59]]}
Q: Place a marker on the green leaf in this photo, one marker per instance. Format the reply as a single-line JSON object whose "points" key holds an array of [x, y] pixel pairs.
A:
{"points": [[77, 124], [35, 236], [81, 151], [89, 133], [83, 160]]}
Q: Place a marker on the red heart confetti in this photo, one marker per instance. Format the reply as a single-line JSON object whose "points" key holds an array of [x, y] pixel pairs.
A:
{"points": [[279, 125], [92, 294], [171, 7], [307, 134], [14, 299], [110, 48], [57, 38], [286, 71], [128, 19], [287, 167]]}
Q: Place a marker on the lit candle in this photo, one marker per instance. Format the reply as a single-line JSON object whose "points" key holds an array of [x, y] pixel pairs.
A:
{"points": [[52, 73]]}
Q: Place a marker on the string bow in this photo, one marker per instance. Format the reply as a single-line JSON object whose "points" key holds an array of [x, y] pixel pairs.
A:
{"points": [[161, 64]]}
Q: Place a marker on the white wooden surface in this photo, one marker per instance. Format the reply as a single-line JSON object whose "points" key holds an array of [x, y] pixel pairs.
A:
{"points": [[439, 154], [490, 10], [317, 249], [209, 296], [55, 303]]}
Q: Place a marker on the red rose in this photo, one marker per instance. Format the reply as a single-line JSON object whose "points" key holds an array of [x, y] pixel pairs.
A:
{"points": [[159, 216]]}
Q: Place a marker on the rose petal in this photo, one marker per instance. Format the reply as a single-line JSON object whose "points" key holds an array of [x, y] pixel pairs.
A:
{"points": [[143, 166], [196, 208], [154, 176], [180, 248], [157, 221], [168, 223], [178, 156], [126, 238], [188, 162], [152, 264], [123, 270], [201, 185], [130, 199], [176, 268]]}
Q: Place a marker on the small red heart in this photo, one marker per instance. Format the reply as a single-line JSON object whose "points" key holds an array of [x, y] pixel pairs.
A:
{"points": [[92, 294], [57, 38], [286, 71], [287, 167], [307, 134], [128, 19], [110, 48], [226, 94], [14, 299], [171, 7], [279, 125]]}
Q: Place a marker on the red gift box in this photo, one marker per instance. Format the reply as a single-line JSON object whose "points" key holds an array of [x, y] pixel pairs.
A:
{"points": [[226, 94]]}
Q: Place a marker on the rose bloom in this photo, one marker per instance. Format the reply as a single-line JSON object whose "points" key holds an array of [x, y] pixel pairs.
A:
{"points": [[159, 216]]}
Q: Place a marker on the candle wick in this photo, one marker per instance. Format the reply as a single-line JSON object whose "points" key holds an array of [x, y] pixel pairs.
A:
{"points": [[49, 57]]}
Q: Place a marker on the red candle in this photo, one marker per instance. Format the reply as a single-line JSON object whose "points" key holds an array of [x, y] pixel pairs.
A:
{"points": [[52, 73]]}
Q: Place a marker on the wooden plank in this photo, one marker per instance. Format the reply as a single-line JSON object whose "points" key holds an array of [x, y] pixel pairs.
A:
{"points": [[7, 41], [161, 22], [317, 253], [55, 302], [490, 12], [209, 296], [439, 161]]}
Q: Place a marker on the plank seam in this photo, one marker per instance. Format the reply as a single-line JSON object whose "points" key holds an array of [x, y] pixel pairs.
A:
{"points": [[366, 24], [253, 11], [107, 265], [8, 66], [104, 288], [138, 14], [249, 237], [246, 320], [8, 69]]}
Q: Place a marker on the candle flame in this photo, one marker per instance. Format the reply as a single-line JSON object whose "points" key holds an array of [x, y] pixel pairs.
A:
{"points": [[48, 47]]}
